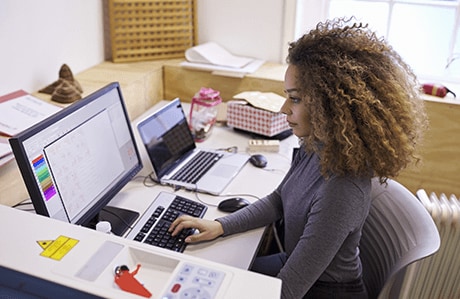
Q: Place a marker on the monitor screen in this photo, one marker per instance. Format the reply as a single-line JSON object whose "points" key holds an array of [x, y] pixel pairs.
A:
{"points": [[75, 161]]}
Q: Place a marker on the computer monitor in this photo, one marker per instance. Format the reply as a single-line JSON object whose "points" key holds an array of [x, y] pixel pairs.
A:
{"points": [[75, 161]]}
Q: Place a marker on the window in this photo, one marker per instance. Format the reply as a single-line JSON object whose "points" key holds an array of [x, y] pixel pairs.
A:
{"points": [[424, 32]]}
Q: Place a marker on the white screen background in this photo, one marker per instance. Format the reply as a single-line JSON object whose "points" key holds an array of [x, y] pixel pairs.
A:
{"points": [[83, 163]]}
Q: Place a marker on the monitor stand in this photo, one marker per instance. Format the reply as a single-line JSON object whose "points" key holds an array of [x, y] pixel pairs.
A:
{"points": [[120, 219]]}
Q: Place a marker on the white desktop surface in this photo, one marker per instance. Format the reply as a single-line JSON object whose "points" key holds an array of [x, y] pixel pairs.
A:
{"points": [[236, 250], [233, 255], [21, 252]]}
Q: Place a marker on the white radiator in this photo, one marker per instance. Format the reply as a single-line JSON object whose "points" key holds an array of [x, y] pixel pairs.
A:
{"points": [[438, 276]]}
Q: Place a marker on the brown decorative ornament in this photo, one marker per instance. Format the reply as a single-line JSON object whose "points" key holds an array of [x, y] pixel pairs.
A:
{"points": [[66, 89], [66, 92]]}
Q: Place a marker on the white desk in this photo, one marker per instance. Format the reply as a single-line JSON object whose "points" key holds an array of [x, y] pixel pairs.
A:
{"points": [[237, 250], [89, 265], [160, 267]]}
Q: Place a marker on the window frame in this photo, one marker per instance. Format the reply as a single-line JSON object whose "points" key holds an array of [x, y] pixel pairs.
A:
{"points": [[318, 10]]}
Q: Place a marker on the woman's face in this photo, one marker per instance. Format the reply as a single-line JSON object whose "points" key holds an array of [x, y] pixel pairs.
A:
{"points": [[294, 106]]}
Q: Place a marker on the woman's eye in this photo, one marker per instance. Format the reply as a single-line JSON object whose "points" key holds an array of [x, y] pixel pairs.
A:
{"points": [[295, 99]]}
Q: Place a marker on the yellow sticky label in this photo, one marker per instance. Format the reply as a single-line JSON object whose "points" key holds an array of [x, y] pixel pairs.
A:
{"points": [[58, 248], [44, 243]]}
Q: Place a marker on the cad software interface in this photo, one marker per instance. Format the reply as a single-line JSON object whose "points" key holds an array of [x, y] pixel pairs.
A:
{"points": [[81, 156]]}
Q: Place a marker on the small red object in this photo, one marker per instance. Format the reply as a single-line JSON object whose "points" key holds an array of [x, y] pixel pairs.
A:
{"points": [[127, 282], [175, 288], [436, 90]]}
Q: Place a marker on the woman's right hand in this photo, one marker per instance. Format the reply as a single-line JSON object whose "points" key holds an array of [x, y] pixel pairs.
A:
{"points": [[208, 229]]}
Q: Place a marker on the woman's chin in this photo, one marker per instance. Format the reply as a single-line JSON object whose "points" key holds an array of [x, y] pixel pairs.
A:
{"points": [[299, 133], [296, 132]]}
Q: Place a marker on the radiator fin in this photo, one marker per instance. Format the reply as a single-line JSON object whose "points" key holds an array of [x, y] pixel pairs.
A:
{"points": [[437, 276]]}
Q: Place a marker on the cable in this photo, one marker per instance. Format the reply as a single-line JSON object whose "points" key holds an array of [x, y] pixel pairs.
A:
{"points": [[148, 178], [274, 169], [196, 193], [22, 203], [202, 201], [197, 196], [26, 202], [231, 149]]}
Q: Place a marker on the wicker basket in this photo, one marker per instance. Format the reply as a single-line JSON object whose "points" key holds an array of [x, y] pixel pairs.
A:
{"points": [[151, 29]]}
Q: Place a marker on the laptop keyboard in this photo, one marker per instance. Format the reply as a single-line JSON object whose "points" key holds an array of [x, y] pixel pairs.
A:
{"points": [[158, 218], [197, 167]]}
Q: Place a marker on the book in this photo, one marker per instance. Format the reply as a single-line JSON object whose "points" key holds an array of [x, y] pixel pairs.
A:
{"points": [[6, 154], [20, 110]]}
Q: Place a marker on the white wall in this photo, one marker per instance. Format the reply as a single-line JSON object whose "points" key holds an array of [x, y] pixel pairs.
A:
{"points": [[251, 28], [37, 37]]}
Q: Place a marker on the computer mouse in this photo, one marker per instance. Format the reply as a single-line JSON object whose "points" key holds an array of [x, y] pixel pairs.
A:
{"points": [[258, 160], [233, 204]]}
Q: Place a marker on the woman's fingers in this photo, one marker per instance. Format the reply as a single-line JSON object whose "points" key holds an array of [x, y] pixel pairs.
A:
{"points": [[180, 223], [208, 229]]}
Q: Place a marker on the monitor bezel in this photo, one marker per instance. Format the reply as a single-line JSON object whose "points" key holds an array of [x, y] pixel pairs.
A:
{"points": [[28, 174]]}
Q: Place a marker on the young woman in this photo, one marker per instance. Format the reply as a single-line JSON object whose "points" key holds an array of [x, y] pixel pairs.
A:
{"points": [[354, 105]]}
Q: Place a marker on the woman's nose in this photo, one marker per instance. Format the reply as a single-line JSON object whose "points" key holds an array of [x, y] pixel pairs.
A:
{"points": [[285, 107]]}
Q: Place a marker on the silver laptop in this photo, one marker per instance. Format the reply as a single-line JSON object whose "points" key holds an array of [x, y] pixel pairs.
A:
{"points": [[175, 158]]}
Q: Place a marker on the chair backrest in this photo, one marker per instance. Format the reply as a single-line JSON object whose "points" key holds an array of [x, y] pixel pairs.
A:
{"points": [[397, 232]]}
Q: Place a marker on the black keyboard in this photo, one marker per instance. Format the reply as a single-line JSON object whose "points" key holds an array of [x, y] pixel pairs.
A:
{"points": [[156, 221], [197, 167]]}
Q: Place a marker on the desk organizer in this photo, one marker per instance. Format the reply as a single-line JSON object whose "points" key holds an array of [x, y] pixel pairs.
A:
{"points": [[151, 29], [160, 273]]}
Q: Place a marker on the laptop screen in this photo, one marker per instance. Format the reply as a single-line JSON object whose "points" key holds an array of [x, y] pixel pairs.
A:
{"points": [[167, 137]]}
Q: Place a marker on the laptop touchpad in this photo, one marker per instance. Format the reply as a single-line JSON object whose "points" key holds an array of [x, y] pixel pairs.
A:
{"points": [[224, 170]]}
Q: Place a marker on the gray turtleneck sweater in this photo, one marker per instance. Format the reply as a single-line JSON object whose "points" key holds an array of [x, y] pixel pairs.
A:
{"points": [[323, 220]]}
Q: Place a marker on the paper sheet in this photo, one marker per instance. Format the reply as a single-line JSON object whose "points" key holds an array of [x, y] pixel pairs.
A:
{"points": [[5, 149], [265, 100], [227, 71], [212, 57], [212, 53], [22, 112], [6, 154]]}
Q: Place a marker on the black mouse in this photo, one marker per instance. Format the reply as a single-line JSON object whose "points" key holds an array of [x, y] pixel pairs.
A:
{"points": [[258, 160], [233, 204]]}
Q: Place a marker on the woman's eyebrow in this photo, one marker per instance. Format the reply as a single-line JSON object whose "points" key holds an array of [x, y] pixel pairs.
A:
{"points": [[291, 90]]}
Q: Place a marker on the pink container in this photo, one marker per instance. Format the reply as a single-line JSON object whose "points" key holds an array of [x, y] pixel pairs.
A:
{"points": [[203, 113]]}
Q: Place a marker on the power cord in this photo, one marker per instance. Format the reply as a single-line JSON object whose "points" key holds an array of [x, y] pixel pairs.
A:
{"points": [[231, 149], [197, 194], [26, 202], [147, 180]]}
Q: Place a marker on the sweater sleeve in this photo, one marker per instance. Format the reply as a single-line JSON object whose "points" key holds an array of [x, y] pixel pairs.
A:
{"points": [[260, 213]]}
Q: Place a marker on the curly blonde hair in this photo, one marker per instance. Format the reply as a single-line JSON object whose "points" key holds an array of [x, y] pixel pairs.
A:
{"points": [[362, 98]]}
